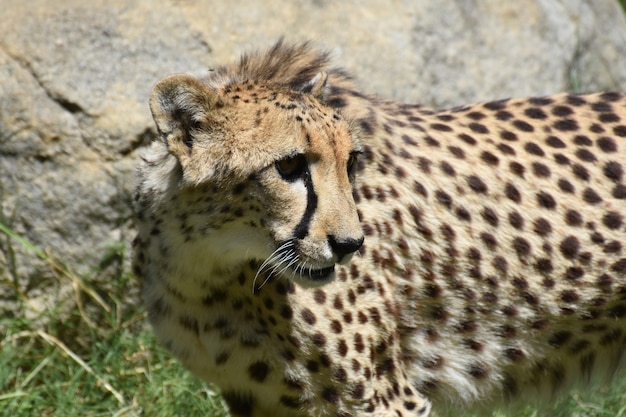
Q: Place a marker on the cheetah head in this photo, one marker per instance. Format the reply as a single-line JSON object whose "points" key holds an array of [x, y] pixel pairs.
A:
{"points": [[262, 173]]}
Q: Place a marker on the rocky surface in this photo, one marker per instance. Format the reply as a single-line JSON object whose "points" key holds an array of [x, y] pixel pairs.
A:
{"points": [[75, 78]]}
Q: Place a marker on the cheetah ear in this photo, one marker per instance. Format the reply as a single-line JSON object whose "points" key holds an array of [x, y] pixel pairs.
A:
{"points": [[317, 86], [179, 104]]}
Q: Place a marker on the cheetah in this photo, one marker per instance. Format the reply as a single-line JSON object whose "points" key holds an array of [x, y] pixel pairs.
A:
{"points": [[312, 250]]}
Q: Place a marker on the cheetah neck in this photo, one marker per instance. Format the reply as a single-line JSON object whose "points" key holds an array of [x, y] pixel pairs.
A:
{"points": [[182, 248]]}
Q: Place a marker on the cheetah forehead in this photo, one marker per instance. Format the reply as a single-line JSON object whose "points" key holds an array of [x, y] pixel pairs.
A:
{"points": [[289, 82], [279, 123]]}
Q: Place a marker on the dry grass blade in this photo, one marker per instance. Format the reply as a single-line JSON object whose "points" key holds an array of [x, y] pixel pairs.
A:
{"points": [[54, 341], [76, 281], [15, 336], [11, 395], [55, 265], [35, 371]]}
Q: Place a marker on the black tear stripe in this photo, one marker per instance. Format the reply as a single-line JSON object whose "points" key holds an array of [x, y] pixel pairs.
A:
{"points": [[302, 229]]}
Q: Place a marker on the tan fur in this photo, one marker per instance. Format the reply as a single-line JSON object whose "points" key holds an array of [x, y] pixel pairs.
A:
{"points": [[493, 270]]}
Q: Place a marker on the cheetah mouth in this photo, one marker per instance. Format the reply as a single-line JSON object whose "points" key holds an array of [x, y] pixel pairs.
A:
{"points": [[317, 274]]}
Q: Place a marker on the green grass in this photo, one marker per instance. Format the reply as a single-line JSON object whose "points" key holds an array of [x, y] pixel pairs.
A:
{"points": [[103, 360], [606, 402], [123, 375]]}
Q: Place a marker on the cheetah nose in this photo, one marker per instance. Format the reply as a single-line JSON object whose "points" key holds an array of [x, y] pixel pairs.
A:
{"points": [[343, 247]]}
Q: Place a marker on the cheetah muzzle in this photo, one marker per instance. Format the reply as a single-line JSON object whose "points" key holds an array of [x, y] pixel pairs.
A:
{"points": [[493, 269]]}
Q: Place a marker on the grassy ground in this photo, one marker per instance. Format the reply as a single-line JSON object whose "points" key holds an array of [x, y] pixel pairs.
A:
{"points": [[122, 374], [101, 362]]}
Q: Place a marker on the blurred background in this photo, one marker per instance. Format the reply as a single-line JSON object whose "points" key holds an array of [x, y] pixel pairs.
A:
{"points": [[75, 78]]}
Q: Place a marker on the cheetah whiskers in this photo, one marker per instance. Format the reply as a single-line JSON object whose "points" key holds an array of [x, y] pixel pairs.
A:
{"points": [[282, 271], [283, 254], [303, 268], [278, 253], [278, 265]]}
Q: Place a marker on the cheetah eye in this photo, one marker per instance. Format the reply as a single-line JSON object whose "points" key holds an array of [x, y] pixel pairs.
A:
{"points": [[292, 167]]}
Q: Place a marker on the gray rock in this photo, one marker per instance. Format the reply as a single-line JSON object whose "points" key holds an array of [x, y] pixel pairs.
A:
{"points": [[74, 85]]}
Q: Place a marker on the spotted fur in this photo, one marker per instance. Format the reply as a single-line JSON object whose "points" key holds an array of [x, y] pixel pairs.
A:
{"points": [[493, 269]]}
